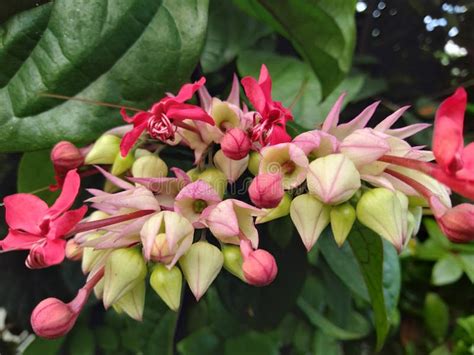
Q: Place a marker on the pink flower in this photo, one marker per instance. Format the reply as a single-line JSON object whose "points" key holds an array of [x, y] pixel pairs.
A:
{"points": [[266, 190], [259, 266], [271, 128], [35, 227], [65, 156], [458, 223], [235, 144], [164, 116]]}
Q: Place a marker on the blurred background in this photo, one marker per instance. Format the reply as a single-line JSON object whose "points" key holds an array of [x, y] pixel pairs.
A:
{"points": [[407, 52]]}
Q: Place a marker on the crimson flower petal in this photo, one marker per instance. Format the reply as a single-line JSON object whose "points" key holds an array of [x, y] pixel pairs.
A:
{"points": [[17, 240], [187, 90], [25, 212], [254, 93], [265, 82], [448, 139], [185, 111], [65, 223], [279, 135], [68, 194], [130, 138], [47, 253]]}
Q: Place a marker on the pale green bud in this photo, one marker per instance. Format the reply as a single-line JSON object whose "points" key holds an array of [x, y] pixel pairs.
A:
{"points": [[201, 265], [133, 302], [310, 216], [333, 179], [124, 270], [254, 162], [99, 289], [216, 179], [233, 260], [167, 283], [385, 212], [122, 164], [141, 153], [90, 256], [194, 174], [149, 166], [223, 115], [283, 209], [104, 151], [342, 218]]}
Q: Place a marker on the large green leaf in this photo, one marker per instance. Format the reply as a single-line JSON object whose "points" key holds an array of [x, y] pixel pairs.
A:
{"points": [[126, 51], [296, 85], [368, 250], [322, 31]]}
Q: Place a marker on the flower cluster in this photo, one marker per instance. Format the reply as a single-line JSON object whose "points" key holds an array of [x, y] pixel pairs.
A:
{"points": [[188, 225]]}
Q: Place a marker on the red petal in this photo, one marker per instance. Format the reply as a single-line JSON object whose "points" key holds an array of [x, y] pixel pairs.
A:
{"points": [[16, 240], [187, 90], [25, 212], [279, 135], [265, 83], [468, 157], [49, 253], [68, 194], [184, 111], [254, 93], [448, 131], [130, 138], [65, 223]]}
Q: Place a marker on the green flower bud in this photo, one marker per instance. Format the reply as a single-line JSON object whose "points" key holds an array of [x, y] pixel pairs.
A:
{"points": [[122, 164], [223, 115], [216, 179], [283, 209], [254, 162], [104, 151], [92, 257], [194, 174], [342, 219], [133, 302], [124, 270], [385, 212], [201, 265], [149, 166], [167, 283], [141, 153], [233, 260], [99, 289]]}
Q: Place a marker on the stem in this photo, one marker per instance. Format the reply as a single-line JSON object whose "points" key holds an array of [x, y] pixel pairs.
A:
{"points": [[413, 183], [414, 164], [186, 126], [87, 226]]}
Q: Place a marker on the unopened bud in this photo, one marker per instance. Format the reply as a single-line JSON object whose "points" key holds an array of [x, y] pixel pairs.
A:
{"points": [[233, 260], [235, 144], [458, 223], [73, 250], [122, 164], [342, 218], [149, 166], [133, 302], [160, 251], [259, 266], [66, 156], [216, 179], [201, 264], [194, 174], [124, 270], [333, 179], [167, 283], [266, 190], [254, 163], [104, 151], [283, 209]]}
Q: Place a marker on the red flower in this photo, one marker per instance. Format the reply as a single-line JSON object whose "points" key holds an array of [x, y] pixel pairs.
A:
{"points": [[271, 128], [164, 116], [458, 223], [41, 229], [65, 156]]}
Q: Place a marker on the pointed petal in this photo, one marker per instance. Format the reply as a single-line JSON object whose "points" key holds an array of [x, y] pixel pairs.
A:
{"points": [[25, 212], [332, 118], [187, 90], [114, 180], [234, 95], [265, 82], [68, 194], [390, 120], [254, 93], [364, 146], [17, 240], [182, 112], [359, 122], [407, 131], [205, 98], [130, 138], [232, 169]]}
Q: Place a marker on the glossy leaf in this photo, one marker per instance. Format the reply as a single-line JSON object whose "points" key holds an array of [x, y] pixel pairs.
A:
{"points": [[392, 279], [446, 270], [143, 49], [322, 31]]}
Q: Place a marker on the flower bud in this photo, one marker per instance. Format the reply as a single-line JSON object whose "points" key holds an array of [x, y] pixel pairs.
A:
{"points": [[458, 223], [124, 270], [283, 209], [167, 283], [90, 256], [194, 174], [385, 212], [232, 169], [149, 166], [235, 144], [333, 179], [266, 190], [160, 251], [233, 260], [133, 302], [104, 151], [254, 163], [99, 289], [122, 164], [259, 266], [216, 179], [342, 218], [73, 250], [223, 115], [66, 156], [201, 265], [52, 318], [310, 216]]}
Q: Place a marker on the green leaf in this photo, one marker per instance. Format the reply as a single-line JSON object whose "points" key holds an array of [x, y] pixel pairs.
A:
{"points": [[322, 31], [392, 278], [368, 250], [324, 344], [203, 341], [82, 341], [446, 270], [41, 346], [436, 316], [251, 343], [229, 32], [467, 261], [141, 50], [35, 174]]}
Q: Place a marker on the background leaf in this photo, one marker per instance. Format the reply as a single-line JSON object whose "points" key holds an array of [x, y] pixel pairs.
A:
{"points": [[143, 49]]}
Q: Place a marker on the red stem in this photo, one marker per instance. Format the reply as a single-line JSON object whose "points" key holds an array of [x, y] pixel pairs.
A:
{"points": [[414, 164], [413, 183]]}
